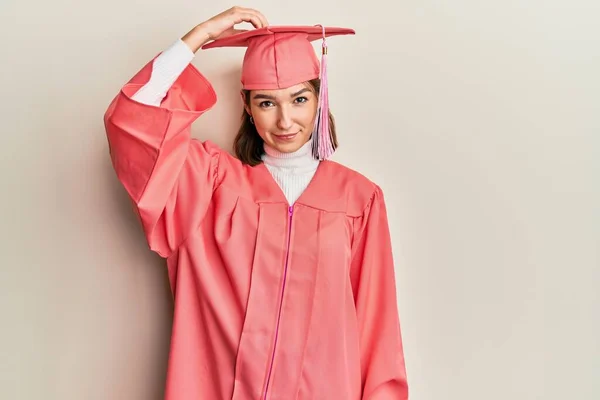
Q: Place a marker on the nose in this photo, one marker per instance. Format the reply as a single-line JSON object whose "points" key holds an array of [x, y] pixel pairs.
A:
{"points": [[284, 119]]}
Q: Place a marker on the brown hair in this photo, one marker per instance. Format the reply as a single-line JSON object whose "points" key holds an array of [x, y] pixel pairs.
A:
{"points": [[248, 145]]}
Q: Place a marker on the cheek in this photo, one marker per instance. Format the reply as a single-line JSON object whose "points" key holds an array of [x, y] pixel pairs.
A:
{"points": [[264, 121], [307, 115]]}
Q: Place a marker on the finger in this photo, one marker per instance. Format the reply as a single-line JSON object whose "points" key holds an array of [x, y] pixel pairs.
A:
{"points": [[260, 15], [253, 19], [257, 14]]}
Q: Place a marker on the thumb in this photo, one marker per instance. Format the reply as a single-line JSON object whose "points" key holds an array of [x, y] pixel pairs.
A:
{"points": [[231, 32]]}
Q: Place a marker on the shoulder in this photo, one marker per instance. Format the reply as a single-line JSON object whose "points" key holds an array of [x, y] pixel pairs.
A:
{"points": [[224, 164], [358, 190], [207, 147]]}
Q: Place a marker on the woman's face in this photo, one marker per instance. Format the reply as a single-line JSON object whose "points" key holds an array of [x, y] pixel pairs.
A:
{"points": [[284, 118]]}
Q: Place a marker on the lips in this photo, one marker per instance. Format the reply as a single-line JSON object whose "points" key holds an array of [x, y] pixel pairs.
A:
{"points": [[286, 137]]}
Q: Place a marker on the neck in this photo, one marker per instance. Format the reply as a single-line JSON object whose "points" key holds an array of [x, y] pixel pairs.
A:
{"points": [[298, 161], [292, 171]]}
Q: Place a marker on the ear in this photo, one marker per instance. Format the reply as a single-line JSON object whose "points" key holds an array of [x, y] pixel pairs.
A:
{"points": [[246, 107]]}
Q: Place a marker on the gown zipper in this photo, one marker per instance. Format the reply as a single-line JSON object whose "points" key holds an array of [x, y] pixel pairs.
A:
{"points": [[287, 256]]}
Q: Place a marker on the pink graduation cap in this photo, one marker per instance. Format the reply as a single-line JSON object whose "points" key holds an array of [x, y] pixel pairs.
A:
{"points": [[282, 56]]}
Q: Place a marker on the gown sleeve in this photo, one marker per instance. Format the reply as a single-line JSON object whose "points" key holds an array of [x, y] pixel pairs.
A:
{"points": [[169, 177], [374, 287]]}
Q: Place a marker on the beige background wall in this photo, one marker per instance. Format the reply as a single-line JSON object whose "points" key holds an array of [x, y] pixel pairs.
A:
{"points": [[480, 120]]}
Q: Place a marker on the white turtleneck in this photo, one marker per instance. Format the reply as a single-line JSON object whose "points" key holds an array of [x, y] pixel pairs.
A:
{"points": [[292, 171]]}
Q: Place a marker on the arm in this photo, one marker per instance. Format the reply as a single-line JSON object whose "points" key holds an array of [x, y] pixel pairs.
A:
{"points": [[373, 279], [169, 177], [167, 67]]}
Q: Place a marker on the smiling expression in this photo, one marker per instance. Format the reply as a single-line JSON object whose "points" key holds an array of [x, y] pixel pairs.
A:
{"points": [[284, 118]]}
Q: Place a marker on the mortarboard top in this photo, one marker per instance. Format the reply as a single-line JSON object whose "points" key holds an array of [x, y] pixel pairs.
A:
{"points": [[278, 56]]}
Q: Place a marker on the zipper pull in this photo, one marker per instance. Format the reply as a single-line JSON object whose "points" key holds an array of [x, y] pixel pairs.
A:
{"points": [[291, 210]]}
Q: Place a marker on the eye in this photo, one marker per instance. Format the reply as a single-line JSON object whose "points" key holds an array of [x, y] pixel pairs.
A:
{"points": [[301, 99], [266, 104]]}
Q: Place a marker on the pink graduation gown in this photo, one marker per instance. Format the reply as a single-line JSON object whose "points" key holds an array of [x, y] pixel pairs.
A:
{"points": [[271, 301]]}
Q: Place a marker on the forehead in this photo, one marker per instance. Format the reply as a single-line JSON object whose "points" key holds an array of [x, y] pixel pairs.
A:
{"points": [[285, 92]]}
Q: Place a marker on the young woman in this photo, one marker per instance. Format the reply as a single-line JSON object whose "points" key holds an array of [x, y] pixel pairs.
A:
{"points": [[279, 260]]}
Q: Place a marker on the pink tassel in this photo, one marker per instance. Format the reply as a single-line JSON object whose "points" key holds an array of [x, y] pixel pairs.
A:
{"points": [[322, 144]]}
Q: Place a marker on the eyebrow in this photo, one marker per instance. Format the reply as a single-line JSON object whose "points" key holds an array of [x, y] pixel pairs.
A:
{"points": [[265, 96]]}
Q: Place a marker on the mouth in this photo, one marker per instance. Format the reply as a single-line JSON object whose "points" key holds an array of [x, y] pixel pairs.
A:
{"points": [[286, 137]]}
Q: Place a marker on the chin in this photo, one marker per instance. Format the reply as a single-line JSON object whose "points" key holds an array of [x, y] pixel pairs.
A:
{"points": [[285, 146]]}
